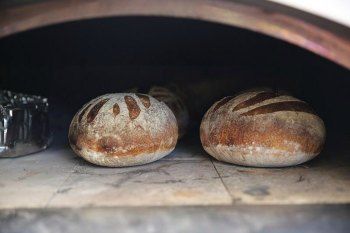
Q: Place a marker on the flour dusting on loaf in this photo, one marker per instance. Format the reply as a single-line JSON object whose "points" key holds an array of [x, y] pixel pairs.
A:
{"points": [[173, 98], [123, 129], [262, 128], [175, 103]]}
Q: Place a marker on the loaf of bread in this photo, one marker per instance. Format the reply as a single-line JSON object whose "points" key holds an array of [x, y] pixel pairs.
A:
{"points": [[117, 130], [262, 128]]}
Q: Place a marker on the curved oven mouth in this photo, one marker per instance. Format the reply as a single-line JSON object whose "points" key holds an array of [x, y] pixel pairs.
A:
{"points": [[95, 53], [313, 33]]}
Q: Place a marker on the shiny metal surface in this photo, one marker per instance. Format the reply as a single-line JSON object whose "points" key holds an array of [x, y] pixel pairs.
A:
{"points": [[24, 124]]}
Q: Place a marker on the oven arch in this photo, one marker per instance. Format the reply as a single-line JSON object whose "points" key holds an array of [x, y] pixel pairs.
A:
{"points": [[318, 35]]}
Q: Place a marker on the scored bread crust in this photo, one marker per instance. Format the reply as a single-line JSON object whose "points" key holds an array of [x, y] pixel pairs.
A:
{"points": [[263, 129], [123, 129]]}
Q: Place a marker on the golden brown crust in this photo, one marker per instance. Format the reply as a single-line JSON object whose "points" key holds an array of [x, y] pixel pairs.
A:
{"points": [[131, 145], [124, 130], [274, 135], [263, 121]]}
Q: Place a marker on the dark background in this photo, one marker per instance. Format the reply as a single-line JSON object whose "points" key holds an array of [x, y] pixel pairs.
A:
{"points": [[74, 62]]}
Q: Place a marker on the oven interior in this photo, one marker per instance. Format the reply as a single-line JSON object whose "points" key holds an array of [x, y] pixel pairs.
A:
{"points": [[73, 62]]}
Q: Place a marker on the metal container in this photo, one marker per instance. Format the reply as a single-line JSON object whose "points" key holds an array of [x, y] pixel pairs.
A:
{"points": [[24, 124]]}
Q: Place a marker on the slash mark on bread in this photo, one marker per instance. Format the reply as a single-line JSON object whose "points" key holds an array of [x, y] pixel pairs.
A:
{"points": [[83, 112], [116, 109], [94, 110], [256, 99], [144, 100], [222, 102], [133, 107], [296, 106]]}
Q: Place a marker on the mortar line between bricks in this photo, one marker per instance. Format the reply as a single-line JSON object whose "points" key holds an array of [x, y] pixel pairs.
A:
{"points": [[222, 181], [59, 186]]}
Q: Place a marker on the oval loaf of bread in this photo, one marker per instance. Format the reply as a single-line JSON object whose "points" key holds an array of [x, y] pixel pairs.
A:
{"points": [[262, 128], [123, 129]]}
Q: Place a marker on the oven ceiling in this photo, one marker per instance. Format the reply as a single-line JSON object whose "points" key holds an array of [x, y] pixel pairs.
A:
{"points": [[311, 32]]}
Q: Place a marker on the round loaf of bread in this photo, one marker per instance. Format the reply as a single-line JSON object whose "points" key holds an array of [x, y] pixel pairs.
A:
{"points": [[117, 130], [175, 103], [263, 129]]}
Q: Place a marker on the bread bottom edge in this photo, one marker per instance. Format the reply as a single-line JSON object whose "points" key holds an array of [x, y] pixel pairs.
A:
{"points": [[102, 159], [258, 156]]}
